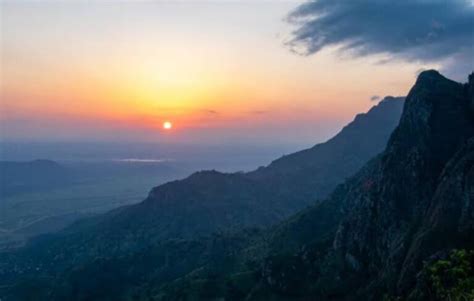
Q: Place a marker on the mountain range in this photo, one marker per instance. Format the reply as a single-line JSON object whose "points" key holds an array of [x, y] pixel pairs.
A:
{"points": [[210, 201], [400, 229], [381, 234]]}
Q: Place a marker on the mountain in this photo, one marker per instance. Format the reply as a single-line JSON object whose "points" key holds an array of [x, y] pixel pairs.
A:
{"points": [[211, 201], [320, 167], [402, 228], [430, 149], [21, 177], [384, 234]]}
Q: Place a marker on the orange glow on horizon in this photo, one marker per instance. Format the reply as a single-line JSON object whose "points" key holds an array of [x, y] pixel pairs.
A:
{"points": [[210, 78]]}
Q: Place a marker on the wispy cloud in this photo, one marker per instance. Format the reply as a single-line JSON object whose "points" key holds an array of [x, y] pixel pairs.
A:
{"points": [[374, 98], [208, 111]]}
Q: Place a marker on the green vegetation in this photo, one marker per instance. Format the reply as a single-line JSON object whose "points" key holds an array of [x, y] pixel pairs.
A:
{"points": [[451, 278]]}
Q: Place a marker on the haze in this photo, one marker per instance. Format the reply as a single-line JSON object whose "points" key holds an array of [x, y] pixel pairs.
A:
{"points": [[219, 71]]}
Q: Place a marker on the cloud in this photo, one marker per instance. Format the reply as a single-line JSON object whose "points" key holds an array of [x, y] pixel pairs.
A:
{"points": [[414, 30], [213, 112], [374, 98]]}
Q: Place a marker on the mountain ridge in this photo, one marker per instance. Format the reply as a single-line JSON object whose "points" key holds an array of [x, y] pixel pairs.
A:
{"points": [[137, 228], [368, 240], [373, 237], [385, 208], [225, 201]]}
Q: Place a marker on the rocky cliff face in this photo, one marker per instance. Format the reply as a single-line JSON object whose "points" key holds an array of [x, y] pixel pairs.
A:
{"points": [[447, 224], [414, 202]]}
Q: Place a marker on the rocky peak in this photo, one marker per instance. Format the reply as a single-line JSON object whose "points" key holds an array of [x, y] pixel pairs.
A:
{"points": [[436, 122]]}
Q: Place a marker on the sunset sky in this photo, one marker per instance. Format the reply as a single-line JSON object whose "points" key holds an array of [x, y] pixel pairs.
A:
{"points": [[218, 71]]}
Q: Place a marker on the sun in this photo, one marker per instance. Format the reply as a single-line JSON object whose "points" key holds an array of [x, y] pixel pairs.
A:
{"points": [[167, 125]]}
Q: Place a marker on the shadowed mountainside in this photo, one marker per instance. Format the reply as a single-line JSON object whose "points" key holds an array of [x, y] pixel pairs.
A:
{"points": [[210, 201], [368, 240], [372, 238]]}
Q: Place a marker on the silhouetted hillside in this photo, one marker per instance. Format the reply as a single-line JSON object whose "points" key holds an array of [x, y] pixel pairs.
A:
{"points": [[21, 177], [201, 204], [385, 233], [209, 201], [409, 204]]}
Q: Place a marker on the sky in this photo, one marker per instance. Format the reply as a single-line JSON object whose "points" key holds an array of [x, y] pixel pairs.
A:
{"points": [[246, 72]]}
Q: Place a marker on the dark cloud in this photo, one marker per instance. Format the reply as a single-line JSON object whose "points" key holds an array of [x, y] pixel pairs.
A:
{"points": [[374, 98], [422, 30]]}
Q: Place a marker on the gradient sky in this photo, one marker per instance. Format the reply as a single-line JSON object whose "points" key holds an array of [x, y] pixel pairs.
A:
{"points": [[222, 72]]}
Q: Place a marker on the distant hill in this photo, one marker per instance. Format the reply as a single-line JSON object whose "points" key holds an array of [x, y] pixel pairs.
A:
{"points": [[22, 177]]}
